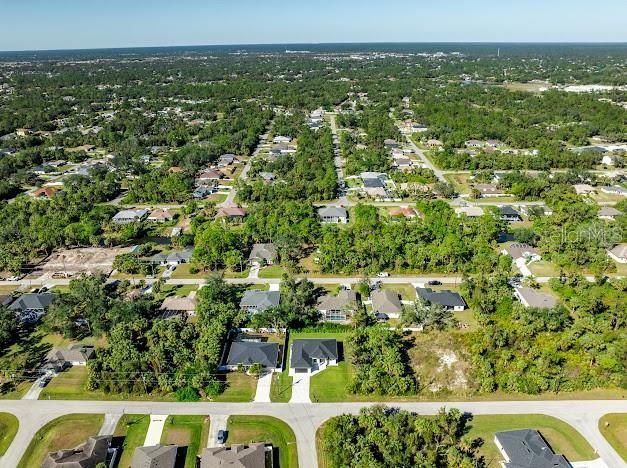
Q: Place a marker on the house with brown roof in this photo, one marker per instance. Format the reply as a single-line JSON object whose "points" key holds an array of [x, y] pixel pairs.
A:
{"points": [[209, 175], [403, 211], [174, 306], [159, 215], [234, 214], [489, 190], [46, 192]]}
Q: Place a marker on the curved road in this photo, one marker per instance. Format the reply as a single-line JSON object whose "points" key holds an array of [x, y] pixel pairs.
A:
{"points": [[305, 419]]}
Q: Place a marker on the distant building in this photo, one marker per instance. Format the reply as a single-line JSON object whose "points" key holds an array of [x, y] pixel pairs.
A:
{"points": [[618, 253], [449, 300], [470, 211], [403, 212], [159, 215], [46, 192], [30, 307], [532, 298], [333, 215], [509, 214], [614, 190], [525, 251], [233, 214], [525, 448], [489, 190], [609, 213], [129, 216]]}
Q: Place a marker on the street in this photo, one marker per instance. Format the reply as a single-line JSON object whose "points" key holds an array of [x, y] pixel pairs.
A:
{"points": [[306, 418]]}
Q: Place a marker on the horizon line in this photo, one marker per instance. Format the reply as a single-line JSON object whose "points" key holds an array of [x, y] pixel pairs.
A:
{"points": [[131, 47]]}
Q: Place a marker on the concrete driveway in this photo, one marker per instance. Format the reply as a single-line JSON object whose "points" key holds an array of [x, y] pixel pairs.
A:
{"points": [[153, 436], [300, 388], [217, 422], [264, 382]]}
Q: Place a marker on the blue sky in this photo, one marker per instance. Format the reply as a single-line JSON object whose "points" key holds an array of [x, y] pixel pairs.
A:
{"points": [[62, 24]]}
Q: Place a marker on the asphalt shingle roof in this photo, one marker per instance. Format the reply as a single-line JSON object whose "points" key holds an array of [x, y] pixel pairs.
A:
{"points": [[304, 351], [251, 352], [526, 448]]}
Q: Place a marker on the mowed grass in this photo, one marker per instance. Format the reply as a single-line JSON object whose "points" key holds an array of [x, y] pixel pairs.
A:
{"points": [[240, 388], [562, 437], [251, 429], [191, 432], [273, 271], [8, 428], [281, 389], [613, 426], [133, 427], [66, 432]]}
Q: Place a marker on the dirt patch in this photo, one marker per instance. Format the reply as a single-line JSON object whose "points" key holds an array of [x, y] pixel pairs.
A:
{"points": [[76, 261], [441, 362], [179, 436]]}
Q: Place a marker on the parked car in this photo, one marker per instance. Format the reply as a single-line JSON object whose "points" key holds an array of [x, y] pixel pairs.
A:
{"points": [[222, 437], [383, 274], [434, 283]]}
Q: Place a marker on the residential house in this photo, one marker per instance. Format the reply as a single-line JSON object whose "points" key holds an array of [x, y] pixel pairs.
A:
{"points": [[255, 300], [509, 214], [333, 214], [449, 300], [526, 448], [432, 143], [386, 303], [8, 151], [266, 176], [96, 450], [247, 353], [403, 164], [234, 214], [609, 213], [173, 306], [159, 215], [583, 189], [263, 254], [474, 144], [22, 132], [489, 190], [470, 211], [494, 143], [256, 455], [308, 356], [279, 150], [532, 298], [614, 190], [281, 139], [391, 143], [227, 160], [403, 212], [30, 307], [209, 175], [129, 216], [155, 456], [338, 308], [203, 191], [176, 257], [525, 251], [618, 253], [46, 192], [541, 210], [75, 355]]}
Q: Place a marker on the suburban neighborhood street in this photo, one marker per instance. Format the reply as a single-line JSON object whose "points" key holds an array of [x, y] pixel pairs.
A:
{"points": [[305, 419]]}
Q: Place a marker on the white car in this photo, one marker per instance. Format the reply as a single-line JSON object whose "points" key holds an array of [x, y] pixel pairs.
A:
{"points": [[383, 274]]}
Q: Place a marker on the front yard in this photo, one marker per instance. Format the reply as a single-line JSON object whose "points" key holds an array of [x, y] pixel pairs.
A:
{"points": [[190, 433], [240, 388], [614, 428], [251, 429], [133, 427], [8, 428]]}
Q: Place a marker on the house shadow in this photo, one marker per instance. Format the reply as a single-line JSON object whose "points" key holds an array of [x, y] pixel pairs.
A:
{"points": [[181, 454]]}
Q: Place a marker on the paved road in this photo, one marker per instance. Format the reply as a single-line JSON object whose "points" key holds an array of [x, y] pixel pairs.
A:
{"points": [[425, 160], [338, 159], [305, 419]]}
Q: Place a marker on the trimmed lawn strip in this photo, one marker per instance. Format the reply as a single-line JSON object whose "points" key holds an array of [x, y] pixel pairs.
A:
{"points": [[613, 426], [66, 432], [8, 428], [562, 437], [281, 389], [273, 271], [240, 388], [250, 429], [187, 431], [133, 427]]}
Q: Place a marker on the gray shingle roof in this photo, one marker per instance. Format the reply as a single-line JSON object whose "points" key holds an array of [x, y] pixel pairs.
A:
{"points": [[155, 456], [343, 300], [386, 301], [236, 456], [445, 298], [303, 351], [535, 298], [260, 300], [526, 448], [333, 212], [263, 252], [251, 352], [32, 301]]}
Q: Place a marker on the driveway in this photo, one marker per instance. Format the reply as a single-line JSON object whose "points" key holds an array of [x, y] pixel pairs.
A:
{"points": [[262, 395], [35, 390], [217, 422], [110, 423], [153, 436], [300, 388]]}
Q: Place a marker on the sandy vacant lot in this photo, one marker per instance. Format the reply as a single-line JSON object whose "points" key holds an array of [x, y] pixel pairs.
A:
{"points": [[87, 260]]}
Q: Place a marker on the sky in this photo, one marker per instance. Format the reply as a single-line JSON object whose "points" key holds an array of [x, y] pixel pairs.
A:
{"points": [[84, 24]]}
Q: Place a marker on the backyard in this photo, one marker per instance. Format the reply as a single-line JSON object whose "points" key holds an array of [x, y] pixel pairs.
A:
{"points": [[250, 429]]}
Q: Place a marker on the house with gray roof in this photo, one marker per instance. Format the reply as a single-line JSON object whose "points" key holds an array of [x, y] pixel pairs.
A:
{"points": [[176, 257], [609, 213], [386, 303], [526, 448], [155, 456], [509, 214], [30, 307], [263, 254], [531, 298], [337, 308], [255, 301], [333, 215], [449, 300], [96, 450], [75, 355], [618, 253], [308, 356], [237, 456], [129, 216], [246, 353], [174, 306]]}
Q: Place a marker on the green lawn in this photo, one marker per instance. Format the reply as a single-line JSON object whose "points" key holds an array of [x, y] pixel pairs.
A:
{"points": [[250, 429], [562, 437], [240, 388], [273, 271], [66, 432], [16, 392], [191, 432], [181, 290], [133, 427], [614, 428], [8, 428], [406, 290], [281, 389]]}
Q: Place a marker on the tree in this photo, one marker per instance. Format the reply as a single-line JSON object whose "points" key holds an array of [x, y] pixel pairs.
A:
{"points": [[428, 315], [8, 327]]}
